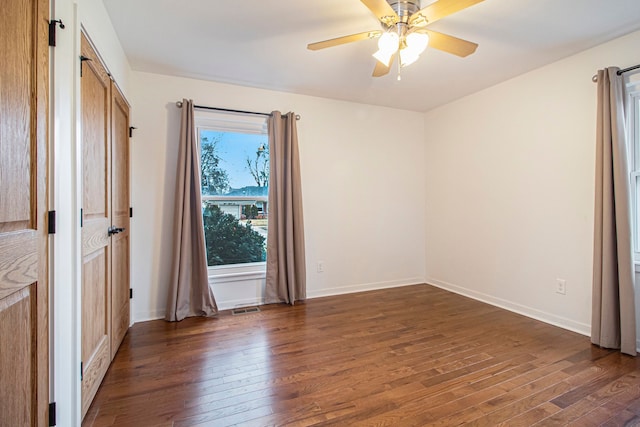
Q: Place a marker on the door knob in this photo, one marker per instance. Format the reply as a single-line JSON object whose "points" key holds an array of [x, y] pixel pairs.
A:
{"points": [[115, 230]]}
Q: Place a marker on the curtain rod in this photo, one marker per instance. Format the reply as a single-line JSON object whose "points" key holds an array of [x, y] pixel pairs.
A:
{"points": [[201, 107], [619, 72]]}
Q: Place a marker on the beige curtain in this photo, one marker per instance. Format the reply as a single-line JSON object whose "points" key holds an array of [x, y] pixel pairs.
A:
{"points": [[286, 271], [189, 291], [613, 323]]}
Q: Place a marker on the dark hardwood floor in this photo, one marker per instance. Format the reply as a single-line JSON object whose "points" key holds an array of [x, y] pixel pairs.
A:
{"points": [[411, 356]]}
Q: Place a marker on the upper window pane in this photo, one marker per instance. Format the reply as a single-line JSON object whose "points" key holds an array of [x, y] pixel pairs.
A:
{"points": [[234, 163]]}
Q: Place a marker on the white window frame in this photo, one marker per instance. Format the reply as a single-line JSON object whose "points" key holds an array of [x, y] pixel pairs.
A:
{"points": [[239, 123], [633, 138]]}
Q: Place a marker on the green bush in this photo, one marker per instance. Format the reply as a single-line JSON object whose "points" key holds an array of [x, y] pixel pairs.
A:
{"points": [[228, 241]]}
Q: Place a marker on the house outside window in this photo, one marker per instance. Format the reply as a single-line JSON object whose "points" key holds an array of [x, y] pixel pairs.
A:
{"points": [[234, 160]]}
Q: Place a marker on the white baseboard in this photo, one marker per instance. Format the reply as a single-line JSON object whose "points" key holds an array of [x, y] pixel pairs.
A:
{"points": [[231, 304], [350, 289], [150, 315], [561, 322]]}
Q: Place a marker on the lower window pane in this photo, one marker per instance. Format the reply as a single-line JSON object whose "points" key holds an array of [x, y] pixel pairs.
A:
{"points": [[235, 231]]}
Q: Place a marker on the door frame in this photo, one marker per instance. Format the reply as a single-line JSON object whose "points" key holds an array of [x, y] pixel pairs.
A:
{"points": [[65, 195], [65, 189]]}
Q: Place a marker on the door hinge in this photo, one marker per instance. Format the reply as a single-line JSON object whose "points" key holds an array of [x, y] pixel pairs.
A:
{"points": [[81, 216], [130, 293], [82, 59], [52, 413], [130, 212], [52, 30], [52, 222], [131, 129], [81, 371]]}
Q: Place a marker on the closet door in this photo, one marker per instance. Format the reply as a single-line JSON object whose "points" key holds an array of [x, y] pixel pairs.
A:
{"points": [[24, 355], [119, 218], [96, 223], [105, 221]]}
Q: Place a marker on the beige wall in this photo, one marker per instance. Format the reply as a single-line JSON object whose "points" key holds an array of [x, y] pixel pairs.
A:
{"points": [[510, 187], [97, 24], [362, 178]]}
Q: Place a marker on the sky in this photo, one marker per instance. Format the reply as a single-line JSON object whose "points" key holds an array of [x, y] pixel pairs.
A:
{"points": [[233, 149]]}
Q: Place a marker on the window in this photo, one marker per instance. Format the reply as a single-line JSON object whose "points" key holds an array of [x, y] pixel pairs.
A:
{"points": [[234, 160], [633, 126]]}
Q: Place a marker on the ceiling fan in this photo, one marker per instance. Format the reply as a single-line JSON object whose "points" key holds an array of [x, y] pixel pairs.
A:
{"points": [[404, 31]]}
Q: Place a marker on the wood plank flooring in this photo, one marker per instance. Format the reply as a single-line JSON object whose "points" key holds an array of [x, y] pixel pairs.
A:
{"points": [[410, 356]]}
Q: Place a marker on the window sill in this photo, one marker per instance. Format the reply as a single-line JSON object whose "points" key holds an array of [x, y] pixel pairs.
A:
{"points": [[237, 273]]}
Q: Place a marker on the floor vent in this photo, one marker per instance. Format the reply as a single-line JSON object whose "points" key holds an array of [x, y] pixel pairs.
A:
{"points": [[245, 310]]}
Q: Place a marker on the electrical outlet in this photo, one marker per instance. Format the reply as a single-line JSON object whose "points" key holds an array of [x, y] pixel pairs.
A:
{"points": [[561, 286], [320, 267]]}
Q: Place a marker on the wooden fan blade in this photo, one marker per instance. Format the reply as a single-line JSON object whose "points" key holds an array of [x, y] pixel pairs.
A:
{"points": [[439, 10], [345, 39], [381, 69], [382, 10], [450, 44]]}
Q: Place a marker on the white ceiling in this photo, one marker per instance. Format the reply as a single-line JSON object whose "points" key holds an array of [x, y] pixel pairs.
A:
{"points": [[262, 43]]}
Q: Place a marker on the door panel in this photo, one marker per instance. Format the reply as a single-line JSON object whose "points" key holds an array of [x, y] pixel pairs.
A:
{"points": [[18, 261], [120, 291], [24, 353], [17, 197], [96, 219], [93, 326], [16, 330], [119, 218], [95, 333]]}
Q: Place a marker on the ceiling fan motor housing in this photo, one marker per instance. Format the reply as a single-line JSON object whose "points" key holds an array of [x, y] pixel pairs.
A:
{"points": [[404, 8]]}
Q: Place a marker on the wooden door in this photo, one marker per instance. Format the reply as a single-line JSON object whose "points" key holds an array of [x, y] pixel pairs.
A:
{"points": [[119, 218], [24, 353], [96, 220]]}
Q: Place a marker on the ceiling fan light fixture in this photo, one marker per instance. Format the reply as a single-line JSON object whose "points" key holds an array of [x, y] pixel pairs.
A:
{"points": [[389, 43], [417, 42], [414, 44], [383, 57], [408, 56]]}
